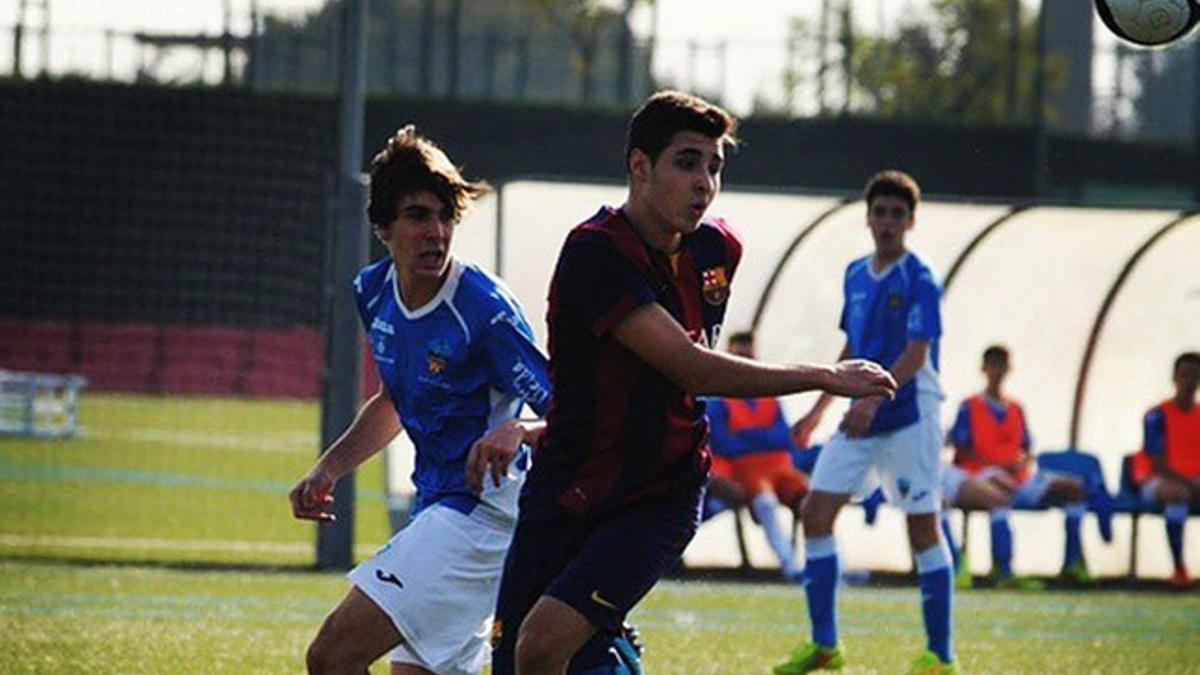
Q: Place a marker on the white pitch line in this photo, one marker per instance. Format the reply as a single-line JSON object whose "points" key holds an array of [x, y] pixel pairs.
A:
{"points": [[147, 544]]}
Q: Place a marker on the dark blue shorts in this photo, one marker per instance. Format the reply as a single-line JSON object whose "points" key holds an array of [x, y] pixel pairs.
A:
{"points": [[600, 567]]}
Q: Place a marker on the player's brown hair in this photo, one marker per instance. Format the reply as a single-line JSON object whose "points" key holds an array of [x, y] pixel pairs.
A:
{"points": [[1186, 358], [411, 163], [996, 354], [893, 183], [668, 112]]}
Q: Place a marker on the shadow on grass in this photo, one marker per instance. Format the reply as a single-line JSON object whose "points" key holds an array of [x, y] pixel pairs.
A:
{"points": [[161, 564]]}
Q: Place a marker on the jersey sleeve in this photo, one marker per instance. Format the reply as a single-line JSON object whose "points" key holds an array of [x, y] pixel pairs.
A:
{"points": [[597, 282], [515, 363], [924, 317], [1026, 439], [843, 324], [960, 433], [1154, 432]]}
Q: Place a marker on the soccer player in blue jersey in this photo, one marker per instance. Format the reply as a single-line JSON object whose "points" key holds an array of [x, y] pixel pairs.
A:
{"points": [[456, 359], [753, 437], [891, 314], [637, 299], [993, 470]]}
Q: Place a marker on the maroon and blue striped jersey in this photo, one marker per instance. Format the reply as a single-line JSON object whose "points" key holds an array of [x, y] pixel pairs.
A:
{"points": [[618, 430]]}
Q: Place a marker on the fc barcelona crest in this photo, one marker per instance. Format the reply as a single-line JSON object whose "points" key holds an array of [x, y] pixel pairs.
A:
{"points": [[715, 285]]}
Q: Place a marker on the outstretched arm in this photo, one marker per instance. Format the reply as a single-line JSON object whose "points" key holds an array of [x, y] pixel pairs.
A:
{"points": [[656, 338], [374, 427], [803, 429]]}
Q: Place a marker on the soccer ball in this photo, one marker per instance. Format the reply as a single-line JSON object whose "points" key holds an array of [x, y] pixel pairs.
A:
{"points": [[1150, 23]]}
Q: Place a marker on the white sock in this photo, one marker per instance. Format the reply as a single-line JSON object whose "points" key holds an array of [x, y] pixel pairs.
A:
{"points": [[765, 508]]}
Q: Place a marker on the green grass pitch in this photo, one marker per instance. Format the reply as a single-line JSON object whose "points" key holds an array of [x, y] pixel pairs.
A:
{"points": [[161, 541]]}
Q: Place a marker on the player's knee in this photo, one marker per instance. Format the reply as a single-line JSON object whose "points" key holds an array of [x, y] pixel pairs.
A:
{"points": [[319, 657], [816, 516], [327, 654]]}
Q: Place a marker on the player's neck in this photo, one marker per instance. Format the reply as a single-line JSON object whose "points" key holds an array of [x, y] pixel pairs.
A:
{"points": [[1184, 403], [416, 292], [659, 238], [993, 393], [883, 260]]}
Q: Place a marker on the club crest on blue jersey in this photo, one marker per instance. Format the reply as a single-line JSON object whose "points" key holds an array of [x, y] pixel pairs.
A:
{"points": [[715, 285], [437, 355], [895, 300]]}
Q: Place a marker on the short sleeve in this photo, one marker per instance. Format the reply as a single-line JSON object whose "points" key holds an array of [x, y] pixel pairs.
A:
{"points": [[1026, 438], [960, 433], [515, 364], [924, 317], [599, 285], [1154, 430]]}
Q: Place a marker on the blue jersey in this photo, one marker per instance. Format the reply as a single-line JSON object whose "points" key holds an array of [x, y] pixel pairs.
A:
{"points": [[882, 312], [455, 367]]}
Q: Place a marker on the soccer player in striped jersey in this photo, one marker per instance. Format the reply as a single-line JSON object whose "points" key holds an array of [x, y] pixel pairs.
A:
{"points": [[636, 301], [456, 359]]}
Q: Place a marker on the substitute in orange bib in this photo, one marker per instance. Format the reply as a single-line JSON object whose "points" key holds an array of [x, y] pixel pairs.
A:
{"points": [[993, 471], [1168, 467], [755, 442]]}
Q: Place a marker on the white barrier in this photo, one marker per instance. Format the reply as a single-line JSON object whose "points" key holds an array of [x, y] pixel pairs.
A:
{"points": [[1034, 280]]}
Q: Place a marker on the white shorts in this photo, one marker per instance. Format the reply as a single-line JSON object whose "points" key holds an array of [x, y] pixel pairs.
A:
{"points": [[438, 580], [905, 462], [1151, 486], [1028, 495]]}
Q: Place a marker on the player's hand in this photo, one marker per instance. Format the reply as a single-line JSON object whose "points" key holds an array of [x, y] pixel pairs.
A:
{"points": [[857, 421], [311, 496], [492, 453], [803, 429], [858, 378]]}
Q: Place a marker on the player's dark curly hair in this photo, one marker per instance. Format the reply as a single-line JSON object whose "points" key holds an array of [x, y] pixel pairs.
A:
{"points": [[668, 112], [1192, 358], [996, 354], [412, 163], [893, 183]]}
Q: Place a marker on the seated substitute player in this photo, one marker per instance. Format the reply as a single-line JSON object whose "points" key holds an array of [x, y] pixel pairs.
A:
{"points": [[637, 297], [753, 437], [993, 471], [456, 358], [891, 314], [1168, 468]]}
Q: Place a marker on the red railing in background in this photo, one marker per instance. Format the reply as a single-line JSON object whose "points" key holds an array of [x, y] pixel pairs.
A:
{"points": [[173, 358]]}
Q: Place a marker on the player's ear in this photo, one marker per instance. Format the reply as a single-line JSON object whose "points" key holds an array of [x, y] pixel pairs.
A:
{"points": [[639, 165]]}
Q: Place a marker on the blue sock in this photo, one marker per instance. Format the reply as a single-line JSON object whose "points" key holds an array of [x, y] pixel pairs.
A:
{"points": [[1002, 546], [937, 599], [948, 535], [1176, 515], [1074, 551], [820, 586]]}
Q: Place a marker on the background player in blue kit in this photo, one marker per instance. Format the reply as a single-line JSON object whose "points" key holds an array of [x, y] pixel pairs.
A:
{"points": [[891, 315], [456, 358], [636, 301]]}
